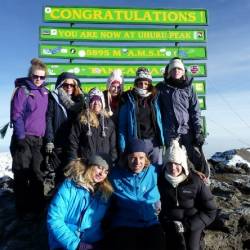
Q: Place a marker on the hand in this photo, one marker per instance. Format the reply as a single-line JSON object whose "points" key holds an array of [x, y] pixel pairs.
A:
{"points": [[49, 147], [199, 139], [179, 226], [157, 207], [84, 246]]}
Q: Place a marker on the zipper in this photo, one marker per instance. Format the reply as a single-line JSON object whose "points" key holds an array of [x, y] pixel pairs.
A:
{"points": [[176, 196]]}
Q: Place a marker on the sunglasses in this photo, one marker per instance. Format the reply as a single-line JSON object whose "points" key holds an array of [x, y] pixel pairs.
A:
{"points": [[37, 77], [68, 85]]}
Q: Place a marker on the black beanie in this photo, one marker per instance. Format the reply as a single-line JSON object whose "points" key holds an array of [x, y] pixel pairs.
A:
{"points": [[67, 75], [137, 145]]}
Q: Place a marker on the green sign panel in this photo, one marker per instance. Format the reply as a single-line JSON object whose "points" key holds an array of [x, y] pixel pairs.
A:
{"points": [[120, 53], [200, 87], [122, 35], [86, 86], [125, 15], [104, 70], [202, 102]]}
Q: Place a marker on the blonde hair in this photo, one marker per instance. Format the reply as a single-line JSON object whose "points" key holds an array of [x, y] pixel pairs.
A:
{"points": [[89, 117], [77, 91], [37, 64], [81, 174]]}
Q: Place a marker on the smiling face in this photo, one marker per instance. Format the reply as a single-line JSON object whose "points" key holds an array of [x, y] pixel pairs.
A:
{"points": [[38, 77], [69, 86], [99, 173], [95, 105], [115, 88], [177, 73], [142, 84], [137, 161], [174, 169]]}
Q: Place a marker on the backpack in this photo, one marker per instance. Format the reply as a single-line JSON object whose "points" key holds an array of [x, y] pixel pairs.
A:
{"points": [[18, 84]]}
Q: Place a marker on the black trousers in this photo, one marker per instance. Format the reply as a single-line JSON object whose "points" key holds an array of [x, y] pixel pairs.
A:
{"points": [[28, 188], [132, 238]]}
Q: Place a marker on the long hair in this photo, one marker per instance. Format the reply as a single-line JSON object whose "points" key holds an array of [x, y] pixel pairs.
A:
{"points": [[77, 91], [89, 117], [81, 174], [37, 64]]}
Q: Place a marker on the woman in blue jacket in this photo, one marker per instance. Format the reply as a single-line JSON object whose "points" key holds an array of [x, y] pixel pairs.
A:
{"points": [[135, 203], [77, 209], [140, 118]]}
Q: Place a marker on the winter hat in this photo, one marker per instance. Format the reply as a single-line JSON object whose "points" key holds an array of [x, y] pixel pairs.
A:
{"points": [[175, 63], [137, 145], [66, 75], [94, 94], [115, 76], [177, 154], [143, 73], [100, 159]]}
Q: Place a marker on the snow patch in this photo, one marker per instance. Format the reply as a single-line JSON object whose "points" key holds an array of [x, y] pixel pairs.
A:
{"points": [[5, 165]]}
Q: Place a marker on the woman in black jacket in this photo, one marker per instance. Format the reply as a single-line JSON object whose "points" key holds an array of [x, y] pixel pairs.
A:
{"points": [[187, 203], [94, 131], [65, 104]]}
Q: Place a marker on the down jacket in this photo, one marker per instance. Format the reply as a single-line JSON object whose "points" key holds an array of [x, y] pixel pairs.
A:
{"points": [[191, 202], [64, 216]]}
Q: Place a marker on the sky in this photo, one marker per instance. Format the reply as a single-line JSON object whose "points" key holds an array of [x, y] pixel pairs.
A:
{"points": [[228, 63]]}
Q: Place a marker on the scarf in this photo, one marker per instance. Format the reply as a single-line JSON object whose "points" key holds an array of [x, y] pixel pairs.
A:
{"points": [[142, 92], [175, 181]]}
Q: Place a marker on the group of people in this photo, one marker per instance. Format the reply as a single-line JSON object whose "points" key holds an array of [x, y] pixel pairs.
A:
{"points": [[129, 168]]}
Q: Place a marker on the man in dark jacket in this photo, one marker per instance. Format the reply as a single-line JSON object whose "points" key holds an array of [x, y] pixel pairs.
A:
{"points": [[180, 113]]}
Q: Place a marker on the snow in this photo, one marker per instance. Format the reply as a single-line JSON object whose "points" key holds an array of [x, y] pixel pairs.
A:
{"points": [[5, 165], [230, 158]]}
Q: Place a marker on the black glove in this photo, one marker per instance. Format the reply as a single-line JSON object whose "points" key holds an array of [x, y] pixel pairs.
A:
{"points": [[199, 139]]}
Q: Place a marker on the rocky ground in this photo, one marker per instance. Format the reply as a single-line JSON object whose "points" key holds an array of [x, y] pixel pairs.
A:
{"points": [[230, 184]]}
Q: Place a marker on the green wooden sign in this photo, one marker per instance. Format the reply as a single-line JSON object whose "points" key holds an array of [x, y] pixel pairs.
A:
{"points": [[120, 53], [200, 87], [122, 35], [86, 86], [204, 125], [103, 70], [202, 102], [124, 15]]}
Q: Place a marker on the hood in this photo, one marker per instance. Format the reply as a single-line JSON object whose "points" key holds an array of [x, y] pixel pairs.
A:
{"points": [[64, 76], [27, 82]]}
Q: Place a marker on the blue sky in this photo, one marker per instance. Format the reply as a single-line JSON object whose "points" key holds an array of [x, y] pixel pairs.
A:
{"points": [[228, 64]]}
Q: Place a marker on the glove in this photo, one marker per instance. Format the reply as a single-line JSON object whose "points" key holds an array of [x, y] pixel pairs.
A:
{"points": [[49, 147], [199, 139], [157, 207], [84, 246], [179, 226]]}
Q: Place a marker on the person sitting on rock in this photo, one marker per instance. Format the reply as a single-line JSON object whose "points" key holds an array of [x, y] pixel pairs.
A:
{"points": [[187, 204]]}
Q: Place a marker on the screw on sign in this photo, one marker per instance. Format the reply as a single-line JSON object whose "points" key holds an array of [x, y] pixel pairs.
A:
{"points": [[194, 69]]}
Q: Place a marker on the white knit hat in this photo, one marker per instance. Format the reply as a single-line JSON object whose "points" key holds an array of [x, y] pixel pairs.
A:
{"points": [[175, 63], [116, 75], [178, 155], [96, 92]]}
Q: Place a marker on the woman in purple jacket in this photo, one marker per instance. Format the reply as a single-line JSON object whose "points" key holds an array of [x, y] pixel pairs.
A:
{"points": [[28, 117]]}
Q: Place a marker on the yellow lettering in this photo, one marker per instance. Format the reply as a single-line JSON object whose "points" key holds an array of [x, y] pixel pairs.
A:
{"points": [[65, 14], [87, 14], [116, 53], [97, 14], [147, 16], [108, 15], [118, 14], [55, 14], [192, 17]]}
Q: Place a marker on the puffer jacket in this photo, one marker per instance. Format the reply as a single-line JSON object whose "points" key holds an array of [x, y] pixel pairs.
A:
{"points": [[191, 202], [83, 145], [127, 126], [134, 197], [69, 203], [179, 109]]}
